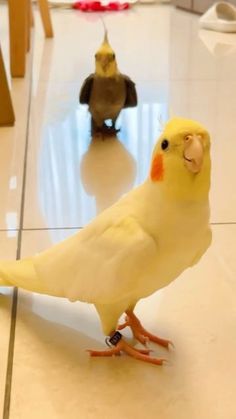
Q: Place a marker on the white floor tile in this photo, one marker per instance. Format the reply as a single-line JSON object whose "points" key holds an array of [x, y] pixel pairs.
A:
{"points": [[7, 251], [197, 312]]}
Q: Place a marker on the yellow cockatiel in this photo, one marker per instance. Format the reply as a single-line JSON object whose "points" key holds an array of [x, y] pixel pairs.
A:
{"points": [[135, 247]]}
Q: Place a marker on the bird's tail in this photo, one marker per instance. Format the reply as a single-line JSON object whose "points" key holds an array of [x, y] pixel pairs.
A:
{"points": [[20, 273]]}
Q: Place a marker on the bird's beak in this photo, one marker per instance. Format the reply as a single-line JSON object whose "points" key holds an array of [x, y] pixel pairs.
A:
{"points": [[193, 153]]}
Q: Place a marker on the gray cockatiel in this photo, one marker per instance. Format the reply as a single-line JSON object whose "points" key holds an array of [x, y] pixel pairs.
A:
{"points": [[136, 246], [107, 91]]}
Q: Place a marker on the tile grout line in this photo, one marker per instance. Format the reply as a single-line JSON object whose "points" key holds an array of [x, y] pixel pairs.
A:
{"points": [[8, 382], [4, 230], [54, 228], [221, 223]]}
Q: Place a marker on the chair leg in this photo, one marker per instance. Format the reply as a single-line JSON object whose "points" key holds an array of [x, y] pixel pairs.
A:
{"points": [[46, 18], [18, 36], [7, 117]]}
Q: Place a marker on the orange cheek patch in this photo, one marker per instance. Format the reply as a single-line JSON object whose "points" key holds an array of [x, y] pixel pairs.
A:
{"points": [[157, 170]]}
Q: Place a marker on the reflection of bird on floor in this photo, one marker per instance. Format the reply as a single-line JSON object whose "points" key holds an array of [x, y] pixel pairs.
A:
{"points": [[107, 171], [136, 246], [107, 91]]}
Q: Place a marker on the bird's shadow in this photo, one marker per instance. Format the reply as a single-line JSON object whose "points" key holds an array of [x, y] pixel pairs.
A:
{"points": [[107, 170]]}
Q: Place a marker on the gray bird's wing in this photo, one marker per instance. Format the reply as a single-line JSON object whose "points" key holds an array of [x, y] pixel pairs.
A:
{"points": [[131, 94], [85, 90]]}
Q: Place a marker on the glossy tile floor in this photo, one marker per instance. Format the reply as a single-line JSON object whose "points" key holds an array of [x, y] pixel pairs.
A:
{"points": [[54, 178]]}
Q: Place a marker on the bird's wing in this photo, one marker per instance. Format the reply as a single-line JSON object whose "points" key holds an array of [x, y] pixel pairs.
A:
{"points": [[85, 90], [131, 94], [102, 264]]}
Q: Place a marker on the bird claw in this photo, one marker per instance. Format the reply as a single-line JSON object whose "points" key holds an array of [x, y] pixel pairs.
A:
{"points": [[123, 346], [109, 352], [142, 339], [141, 334]]}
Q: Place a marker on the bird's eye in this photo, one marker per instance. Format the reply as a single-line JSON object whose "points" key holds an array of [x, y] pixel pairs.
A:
{"points": [[113, 56], [165, 144], [188, 137]]}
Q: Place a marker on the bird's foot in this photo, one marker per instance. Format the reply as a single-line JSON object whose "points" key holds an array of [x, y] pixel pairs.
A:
{"points": [[120, 345], [113, 129], [141, 334], [109, 130], [104, 132]]}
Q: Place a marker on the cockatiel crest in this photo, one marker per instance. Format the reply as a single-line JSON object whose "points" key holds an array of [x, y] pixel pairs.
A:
{"points": [[137, 246]]}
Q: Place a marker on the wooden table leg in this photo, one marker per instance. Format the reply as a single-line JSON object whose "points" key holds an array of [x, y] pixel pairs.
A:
{"points": [[18, 26], [7, 117], [46, 18]]}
